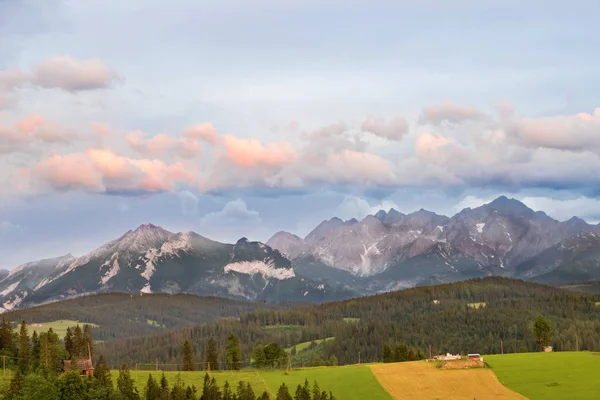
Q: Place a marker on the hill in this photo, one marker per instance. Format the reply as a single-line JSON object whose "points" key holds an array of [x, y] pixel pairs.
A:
{"points": [[121, 315], [411, 316]]}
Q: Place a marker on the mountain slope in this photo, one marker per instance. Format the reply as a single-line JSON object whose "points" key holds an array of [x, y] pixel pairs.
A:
{"points": [[151, 259], [393, 250]]}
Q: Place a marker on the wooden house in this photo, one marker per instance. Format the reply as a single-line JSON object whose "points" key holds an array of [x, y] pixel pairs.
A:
{"points": [[85, 367]]}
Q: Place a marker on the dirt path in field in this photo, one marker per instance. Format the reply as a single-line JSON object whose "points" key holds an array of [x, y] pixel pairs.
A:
{"points": [[421, 380]]}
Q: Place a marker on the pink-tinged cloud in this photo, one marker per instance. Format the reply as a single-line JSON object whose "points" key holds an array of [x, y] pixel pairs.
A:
{"points": [[103, 170], [449, 112], [430, 146], [569, 132], [31, 130], [71, 171], [393, 130], [204, 131], [163, 145], [252, 153], [67, 73], [101, 128]]}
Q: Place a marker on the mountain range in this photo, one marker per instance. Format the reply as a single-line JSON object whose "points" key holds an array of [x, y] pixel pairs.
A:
{"points": [[337, 260]]}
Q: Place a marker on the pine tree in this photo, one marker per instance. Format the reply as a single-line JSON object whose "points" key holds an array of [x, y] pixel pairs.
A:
{"points": [[126, 385], [102, 373], [232, 353], [16, 383], [178, 391], [24, 349], [387, 355], [188, 357], [88, 341], [78, 343], [259, 359], [190, 394], [212, 357], [152, 391], [69, 342], [35, 349], [303, 392], [411, 355], [264, 396], [227, 393], [49, 347], [283, 393], [6, 336], [164, 388], [316, 393], [71, 386]]}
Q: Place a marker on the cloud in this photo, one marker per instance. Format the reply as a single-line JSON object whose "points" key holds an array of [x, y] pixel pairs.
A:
{"points": [[67, 73], [356, 207], [101, 128], [204, 131], [252, 153], [103, 170], [393, 130], [163, 145], [234, 212], [571, 132], [31, 130], [449, 112]]}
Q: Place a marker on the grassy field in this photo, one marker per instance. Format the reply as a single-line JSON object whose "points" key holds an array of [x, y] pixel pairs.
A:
{"points": [[352, 319], [303, 345], [354, 382], [560, 375], [59, 327], [421, 380]]}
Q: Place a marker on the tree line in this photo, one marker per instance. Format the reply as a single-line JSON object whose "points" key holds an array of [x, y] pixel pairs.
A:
{"points": [[437, 318]]}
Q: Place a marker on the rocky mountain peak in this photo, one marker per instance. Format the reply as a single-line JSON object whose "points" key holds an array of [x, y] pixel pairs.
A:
{"points": [[508, 206], [143, 238]]}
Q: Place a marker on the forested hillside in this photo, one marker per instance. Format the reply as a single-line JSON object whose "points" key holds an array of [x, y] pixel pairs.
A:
{"points": [[443, 318], [121, 315]]}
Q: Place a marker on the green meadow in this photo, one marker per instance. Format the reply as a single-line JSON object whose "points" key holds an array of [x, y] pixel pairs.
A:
{"points": [[59, 327], [353, 382], [547, 376]]}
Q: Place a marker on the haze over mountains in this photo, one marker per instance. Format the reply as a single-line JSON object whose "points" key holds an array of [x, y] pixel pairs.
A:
{"points": [[338, 259]]}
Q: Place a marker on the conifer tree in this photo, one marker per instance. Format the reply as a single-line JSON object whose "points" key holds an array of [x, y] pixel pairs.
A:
{"points": [[71, 387], [16, 383], [152, 391], [283, 393], [69, 342], [188, 357], [316, 393], [212, 357], [78, 343], [178, 391], [264, 396], [49, 347], [232, 353], [88, 341], [102, 373], [126, 385], [6, 336], [227, 393], [24, 348], [164, 388]]}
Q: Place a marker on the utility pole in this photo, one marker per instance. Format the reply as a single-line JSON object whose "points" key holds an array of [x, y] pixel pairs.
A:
{"points": [[501, 346], [430, 352], [359, 357], [157, 364], [576, 342]]}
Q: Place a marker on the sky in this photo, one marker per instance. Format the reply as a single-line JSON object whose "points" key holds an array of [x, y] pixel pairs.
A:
{"points": [[237, 118]]}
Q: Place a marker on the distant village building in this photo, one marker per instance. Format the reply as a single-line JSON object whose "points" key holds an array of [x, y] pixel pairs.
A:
{"points": [[85, 367], [475, 356], [547, 349], [436, 302], [447, 357]]}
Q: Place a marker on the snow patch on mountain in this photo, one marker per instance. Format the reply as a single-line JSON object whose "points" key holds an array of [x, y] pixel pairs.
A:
{"points": [[43, 283], [267, 270], [112, 271], [11, 304], [9, 289], [146, 289], [480, 227]]}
